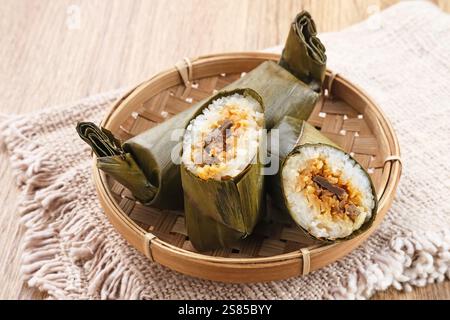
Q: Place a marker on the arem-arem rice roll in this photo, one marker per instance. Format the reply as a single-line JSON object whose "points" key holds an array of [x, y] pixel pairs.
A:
{"points": [[221, 171], [326, 192]]}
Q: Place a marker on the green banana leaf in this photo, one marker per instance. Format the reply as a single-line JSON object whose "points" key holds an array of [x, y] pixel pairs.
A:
{"points": [[282, 92], [220, 213], [154, 150], [304, 54], [296, 135], [112, 159]]}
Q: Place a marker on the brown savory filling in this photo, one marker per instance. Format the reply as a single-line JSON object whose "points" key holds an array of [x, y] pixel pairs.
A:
{"points": [[219, 143], [215, 143], [326, 190]]}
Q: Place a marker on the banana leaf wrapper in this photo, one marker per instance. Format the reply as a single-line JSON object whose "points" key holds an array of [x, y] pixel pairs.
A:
{"points": [[296, 134], [304, 54], [220, 213], [152, 151], [112, 159], [282, 93]]}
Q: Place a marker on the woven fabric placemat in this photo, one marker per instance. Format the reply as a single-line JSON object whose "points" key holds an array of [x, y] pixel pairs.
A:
{"points": [[400, 57]]}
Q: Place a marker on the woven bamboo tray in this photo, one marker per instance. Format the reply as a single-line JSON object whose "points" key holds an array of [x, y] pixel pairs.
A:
{"points": [[274, 251]]}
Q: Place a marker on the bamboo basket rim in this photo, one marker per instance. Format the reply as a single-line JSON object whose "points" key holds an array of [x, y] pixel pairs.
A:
{"points": [[386, 195]]}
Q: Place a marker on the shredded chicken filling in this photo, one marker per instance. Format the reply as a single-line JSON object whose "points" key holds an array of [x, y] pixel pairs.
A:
{"points": [[219, 144], [328, 192]]}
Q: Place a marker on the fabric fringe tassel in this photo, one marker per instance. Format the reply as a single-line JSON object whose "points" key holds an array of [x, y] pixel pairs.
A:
{"points": [[54, 232], [411, 260]]}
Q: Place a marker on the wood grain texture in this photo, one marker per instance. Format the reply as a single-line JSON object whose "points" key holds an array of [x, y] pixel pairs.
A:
{"points": [[44, 62]]}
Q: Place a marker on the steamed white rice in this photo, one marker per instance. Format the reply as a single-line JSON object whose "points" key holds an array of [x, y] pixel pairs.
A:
{"points": [[311, 217], [244, 140]]}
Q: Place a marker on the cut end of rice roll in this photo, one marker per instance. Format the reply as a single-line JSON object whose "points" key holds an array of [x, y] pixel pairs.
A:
{"points": [[327, 192], [223, 139]]}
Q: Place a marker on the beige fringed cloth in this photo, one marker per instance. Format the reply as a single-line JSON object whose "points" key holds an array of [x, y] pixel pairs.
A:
{"points": [[401, 58]]}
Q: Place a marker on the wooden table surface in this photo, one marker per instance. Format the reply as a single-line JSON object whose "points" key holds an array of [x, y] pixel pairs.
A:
{"points": [[55, 51]]}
